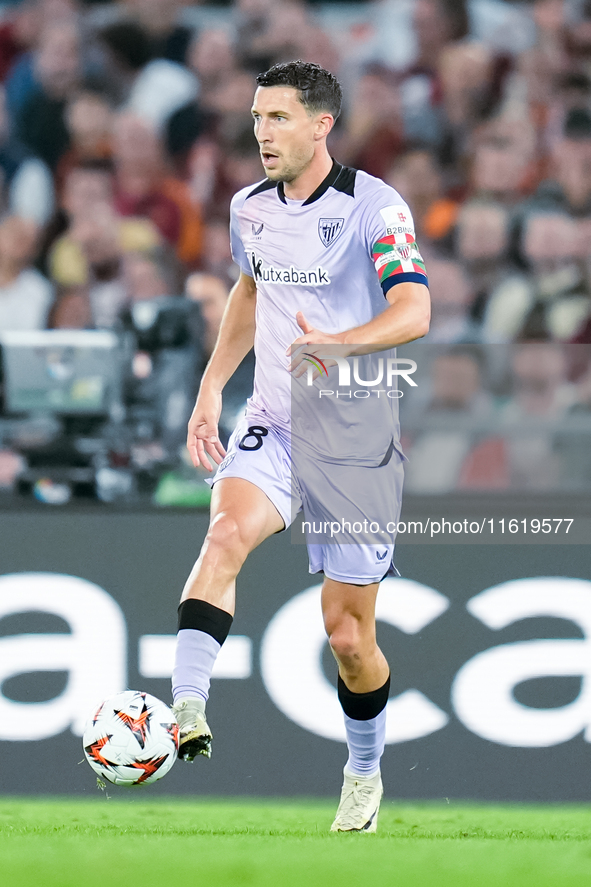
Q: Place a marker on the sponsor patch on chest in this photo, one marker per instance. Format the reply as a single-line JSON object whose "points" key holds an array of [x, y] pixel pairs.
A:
{"points": [[317, 276]]}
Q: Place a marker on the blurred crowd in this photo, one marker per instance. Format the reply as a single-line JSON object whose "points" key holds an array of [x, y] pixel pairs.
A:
{"points": [[125, 129], [500, 418]]}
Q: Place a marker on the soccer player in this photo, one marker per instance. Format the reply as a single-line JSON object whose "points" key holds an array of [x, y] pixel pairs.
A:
{"points": [[327, 257]]}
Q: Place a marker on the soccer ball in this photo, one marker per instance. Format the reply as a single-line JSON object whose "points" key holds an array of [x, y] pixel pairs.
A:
{"points": [[132, 739]]}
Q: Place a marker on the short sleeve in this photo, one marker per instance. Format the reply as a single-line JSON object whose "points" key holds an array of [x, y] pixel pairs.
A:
{"points": [[236, 245], [392, 243]]}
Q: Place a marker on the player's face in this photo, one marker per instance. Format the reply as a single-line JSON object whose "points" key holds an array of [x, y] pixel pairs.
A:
{"points": [[287, 134]]}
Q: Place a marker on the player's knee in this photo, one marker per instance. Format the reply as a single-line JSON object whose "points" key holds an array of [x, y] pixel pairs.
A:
{"points": [[344, 648], [343, 637], [225, 538]]}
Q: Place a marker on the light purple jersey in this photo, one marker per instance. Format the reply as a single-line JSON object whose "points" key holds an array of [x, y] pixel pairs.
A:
{"points": [[333, 256]]}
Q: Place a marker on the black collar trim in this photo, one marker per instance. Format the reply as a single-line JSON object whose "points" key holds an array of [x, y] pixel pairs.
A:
{"points": [[341, 178], [264, 186], [331, 180], [325, 184]]}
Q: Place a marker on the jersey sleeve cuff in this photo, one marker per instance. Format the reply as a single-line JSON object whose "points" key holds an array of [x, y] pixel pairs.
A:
{"points": [[406, 277], [244, 267]]}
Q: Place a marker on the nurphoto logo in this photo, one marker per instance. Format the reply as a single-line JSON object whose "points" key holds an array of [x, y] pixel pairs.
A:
{"points": [[387, 372]]}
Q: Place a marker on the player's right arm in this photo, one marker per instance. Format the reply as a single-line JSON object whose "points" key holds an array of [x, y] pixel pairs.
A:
{"points": [[235, 339]]}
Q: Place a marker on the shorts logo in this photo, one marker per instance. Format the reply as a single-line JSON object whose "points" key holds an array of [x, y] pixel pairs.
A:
{"points": [[227, 461], [381, 557], [329, 230]]}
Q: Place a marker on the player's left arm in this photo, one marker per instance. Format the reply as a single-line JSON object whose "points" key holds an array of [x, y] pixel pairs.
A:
{"points": [[405, 319]]}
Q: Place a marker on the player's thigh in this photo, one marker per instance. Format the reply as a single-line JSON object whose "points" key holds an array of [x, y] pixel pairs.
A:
{"points": [[349, 608], [263, 460], [238, 504]]}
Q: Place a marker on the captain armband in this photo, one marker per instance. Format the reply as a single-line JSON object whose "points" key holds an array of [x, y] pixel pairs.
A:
{"points": [[398, 262]]}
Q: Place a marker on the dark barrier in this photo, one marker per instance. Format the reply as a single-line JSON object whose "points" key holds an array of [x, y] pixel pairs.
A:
{"points": [[489, 647]]}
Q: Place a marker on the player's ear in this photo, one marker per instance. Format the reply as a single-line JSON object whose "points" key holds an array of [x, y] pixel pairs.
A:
{"points": [[324, 124]]}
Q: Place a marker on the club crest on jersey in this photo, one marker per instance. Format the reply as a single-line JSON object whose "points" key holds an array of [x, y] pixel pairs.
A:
{"points": [[329, 230]]}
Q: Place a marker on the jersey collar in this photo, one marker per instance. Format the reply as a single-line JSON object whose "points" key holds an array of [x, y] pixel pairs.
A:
{"points": [[322, 188]]}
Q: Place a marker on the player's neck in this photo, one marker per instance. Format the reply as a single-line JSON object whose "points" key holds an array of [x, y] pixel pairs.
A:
{"points": [[305, 184]]}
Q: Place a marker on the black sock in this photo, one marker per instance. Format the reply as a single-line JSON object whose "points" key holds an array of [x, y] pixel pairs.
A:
{"points": [[363, 706], [203, 616]]}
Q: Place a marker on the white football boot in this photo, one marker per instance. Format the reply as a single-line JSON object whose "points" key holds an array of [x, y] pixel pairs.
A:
{"points": [[194, 733], [360, 804]]}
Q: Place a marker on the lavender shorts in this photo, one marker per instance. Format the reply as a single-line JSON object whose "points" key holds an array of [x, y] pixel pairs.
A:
{"points": [[328, 494]]}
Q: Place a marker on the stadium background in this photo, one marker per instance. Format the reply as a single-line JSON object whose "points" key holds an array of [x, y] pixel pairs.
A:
{"points": [[124, 131]]}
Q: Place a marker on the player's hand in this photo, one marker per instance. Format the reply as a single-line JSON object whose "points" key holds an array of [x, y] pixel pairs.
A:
{"points": [[310, 344], [202, 435]]}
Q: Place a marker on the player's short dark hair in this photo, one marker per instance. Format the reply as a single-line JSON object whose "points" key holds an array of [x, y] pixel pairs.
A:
{"points": [[319, 89]]}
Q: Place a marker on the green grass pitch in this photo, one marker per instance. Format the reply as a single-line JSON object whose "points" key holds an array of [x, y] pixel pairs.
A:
{"points": [[272, 843]]}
